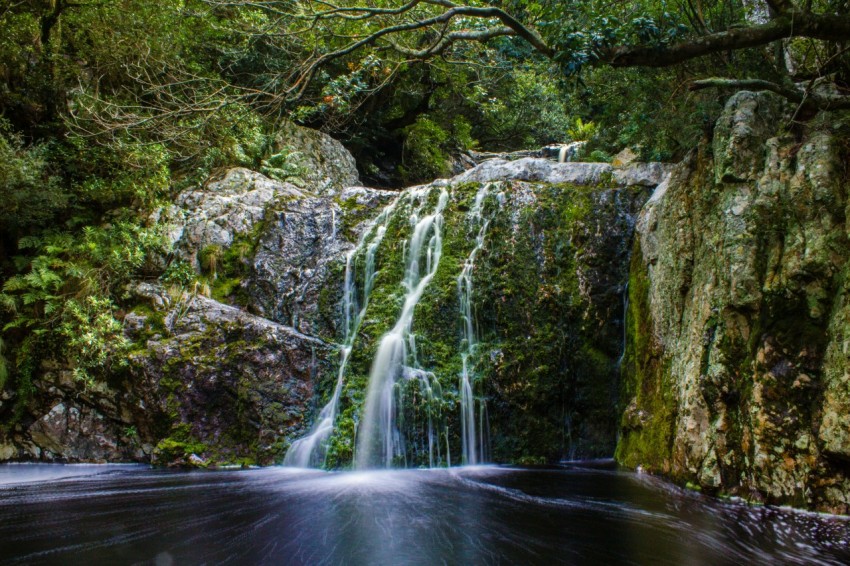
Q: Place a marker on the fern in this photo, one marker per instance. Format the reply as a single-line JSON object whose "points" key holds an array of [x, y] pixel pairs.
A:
{"points": [[581, 131], [29, 243], [8, 303]]}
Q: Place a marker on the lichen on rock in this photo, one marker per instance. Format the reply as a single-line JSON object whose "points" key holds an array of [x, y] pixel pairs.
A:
{"points": [[737, 341]]}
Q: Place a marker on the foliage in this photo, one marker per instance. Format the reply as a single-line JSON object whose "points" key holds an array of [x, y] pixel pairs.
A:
{"points": [[32, 193], [64, 293], [581, 131], [426, 150], [93, 337], [4, 365]]}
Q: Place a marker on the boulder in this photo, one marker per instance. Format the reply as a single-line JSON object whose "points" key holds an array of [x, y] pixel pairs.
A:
{"points": [[324, 166], [225, 385], [216, 214]]}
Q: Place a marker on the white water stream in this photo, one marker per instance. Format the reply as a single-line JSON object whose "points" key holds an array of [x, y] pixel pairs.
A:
{"points": [[379, 442], [310, 451], [473, 436]]}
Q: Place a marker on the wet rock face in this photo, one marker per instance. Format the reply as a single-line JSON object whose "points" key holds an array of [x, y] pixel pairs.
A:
{"points": [[227, 386], [738, 357], [71, 423], [550, 284], [301, 252], [75, 433]]}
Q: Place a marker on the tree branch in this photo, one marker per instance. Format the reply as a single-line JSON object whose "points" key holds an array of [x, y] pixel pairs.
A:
{"points": [[447, 40], [806, 98], [794, 24], [304, 78]]}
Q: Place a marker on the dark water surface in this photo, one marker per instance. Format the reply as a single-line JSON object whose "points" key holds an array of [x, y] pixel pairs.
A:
{"points": [[486, 515]]}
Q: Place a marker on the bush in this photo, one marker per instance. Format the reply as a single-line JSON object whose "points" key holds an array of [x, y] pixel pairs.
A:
{"points": [[426, 149], [32, 193]]}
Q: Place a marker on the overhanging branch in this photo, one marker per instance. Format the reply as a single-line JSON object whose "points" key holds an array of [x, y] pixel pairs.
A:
{"points": [[793, 24], [304, 78], [807, 99]]}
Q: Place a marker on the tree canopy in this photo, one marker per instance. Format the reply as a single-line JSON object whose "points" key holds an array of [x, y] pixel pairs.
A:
{"points": [[575, 35]]}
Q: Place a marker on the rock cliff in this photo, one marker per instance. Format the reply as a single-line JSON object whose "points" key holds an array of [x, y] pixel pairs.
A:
{"points": [[736, 375]]}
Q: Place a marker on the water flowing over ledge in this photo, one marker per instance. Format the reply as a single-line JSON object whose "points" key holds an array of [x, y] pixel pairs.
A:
{"points": [[411, 408]]}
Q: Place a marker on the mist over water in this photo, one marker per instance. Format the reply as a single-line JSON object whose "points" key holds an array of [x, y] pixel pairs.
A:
{"points": [[473, 515]]}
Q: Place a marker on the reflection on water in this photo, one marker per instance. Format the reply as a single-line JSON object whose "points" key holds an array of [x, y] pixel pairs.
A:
{"points": [[480, 515], [27, 473]]}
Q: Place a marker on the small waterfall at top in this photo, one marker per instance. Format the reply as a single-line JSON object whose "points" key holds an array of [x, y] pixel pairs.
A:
{"points": [[472, 437], [311, 449], [379, 441], [569, 152]]}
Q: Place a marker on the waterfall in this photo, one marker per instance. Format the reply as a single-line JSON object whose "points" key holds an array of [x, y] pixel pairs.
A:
{"points": [[379, 441], [562, 154], [473, 441], [569, 152], [312, 449]]}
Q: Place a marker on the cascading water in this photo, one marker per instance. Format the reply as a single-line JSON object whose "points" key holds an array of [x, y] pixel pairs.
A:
{"points": [[570, 151], [311, 449], [379, 441], [472, 437], [562, 154]]}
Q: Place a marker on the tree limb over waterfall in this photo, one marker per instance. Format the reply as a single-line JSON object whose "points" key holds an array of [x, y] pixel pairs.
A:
{"points": [[786, 26], [425, 29]]}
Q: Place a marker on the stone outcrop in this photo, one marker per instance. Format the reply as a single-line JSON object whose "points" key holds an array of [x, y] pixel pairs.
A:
{"points": [[76, 424], [223, 384], [221, 211], [324, 166], [544, 170], [736, 374]]}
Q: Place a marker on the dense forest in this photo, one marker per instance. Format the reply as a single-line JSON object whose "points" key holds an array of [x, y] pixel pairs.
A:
{"points": [[108, 108]]}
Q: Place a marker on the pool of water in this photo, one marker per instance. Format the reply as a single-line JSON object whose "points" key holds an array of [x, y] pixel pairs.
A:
{"points": [[480, 515]]}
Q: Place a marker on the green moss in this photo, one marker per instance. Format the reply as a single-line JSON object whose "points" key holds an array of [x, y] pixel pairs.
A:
{"points": [[527, 314], [227, 269], [647, 395], [224, 287], [154, 324], [178, 446], [548, 379]]}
